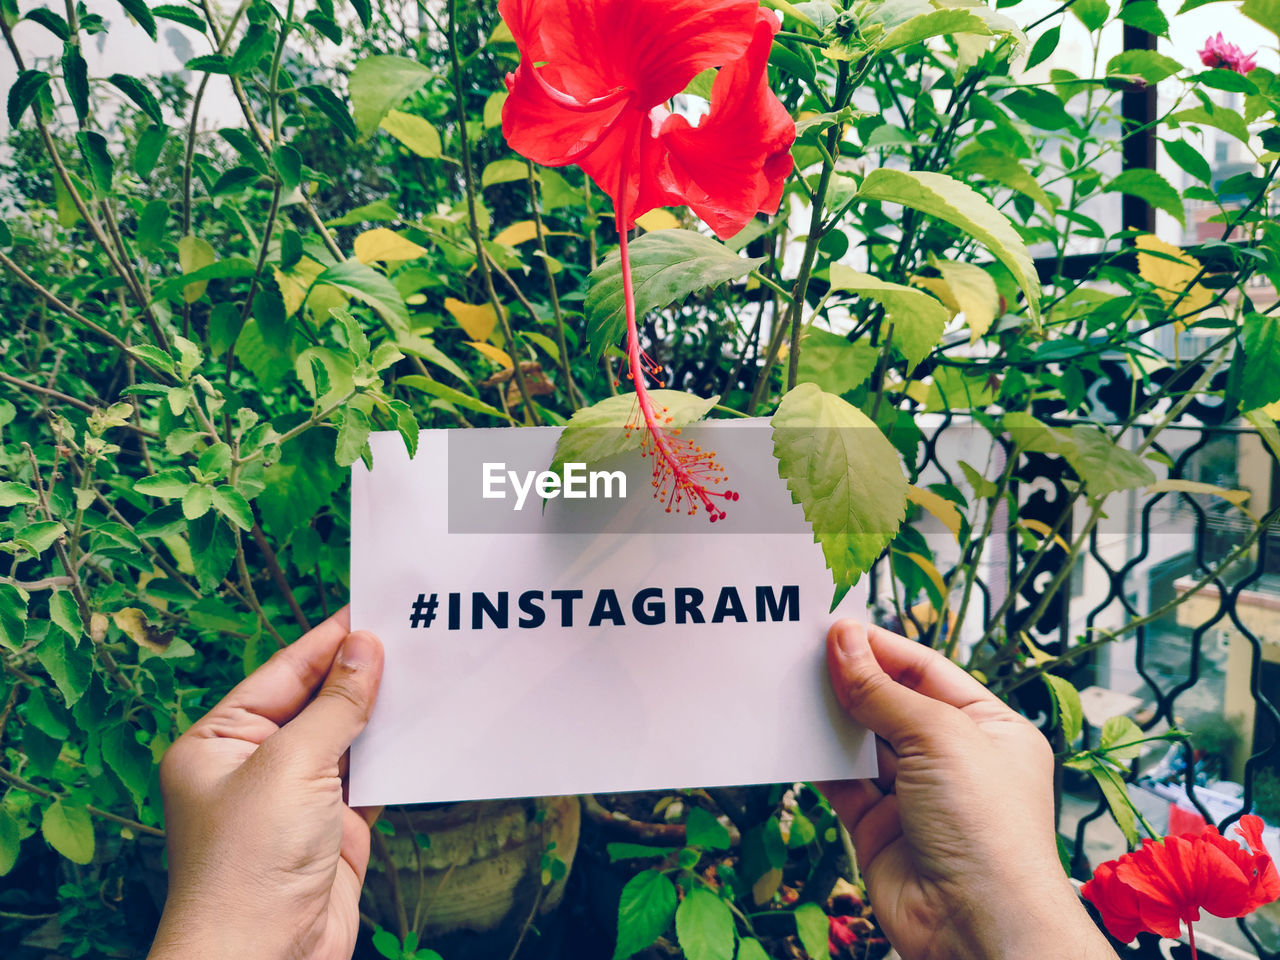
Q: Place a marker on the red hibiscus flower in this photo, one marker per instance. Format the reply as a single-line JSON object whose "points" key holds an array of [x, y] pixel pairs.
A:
{"points": [[594, 86], [1218, 53], [1168, 882]]}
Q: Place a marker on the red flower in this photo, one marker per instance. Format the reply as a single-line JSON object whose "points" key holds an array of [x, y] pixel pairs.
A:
{"points": [[840, 934], [1218, 53], [592, 88], [1169, 882]]}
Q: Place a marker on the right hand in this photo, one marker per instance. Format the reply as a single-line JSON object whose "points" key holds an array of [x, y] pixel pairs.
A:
{"points": [[956, 838]]}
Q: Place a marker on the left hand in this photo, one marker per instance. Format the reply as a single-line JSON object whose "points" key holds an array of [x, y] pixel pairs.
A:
{"points": [[266, 860]]}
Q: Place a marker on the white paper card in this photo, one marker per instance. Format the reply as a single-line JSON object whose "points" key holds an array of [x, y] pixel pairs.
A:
{"points": [[537, 707]]}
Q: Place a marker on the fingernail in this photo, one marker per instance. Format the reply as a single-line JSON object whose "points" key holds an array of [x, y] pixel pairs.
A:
{"points": [[850, 640], [358, 650]]}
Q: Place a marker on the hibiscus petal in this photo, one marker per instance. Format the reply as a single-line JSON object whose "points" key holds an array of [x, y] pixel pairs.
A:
{"points": [[542, 128], [736, 161], [629, 148], [1116, 902]]}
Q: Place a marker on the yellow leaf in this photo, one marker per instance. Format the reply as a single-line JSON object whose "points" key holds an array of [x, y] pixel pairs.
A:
{"points": [[930, 571], [1272, 410], [1171, 278], [133, 623], [296, 281], [762, 890], [193, 254], [414, 132], [1235, 497], [1042, 528], [517, 233], [938, 287], [974, 293], [658, 219], [477, 319], [939, 506], [383, 244], [492, 352]]}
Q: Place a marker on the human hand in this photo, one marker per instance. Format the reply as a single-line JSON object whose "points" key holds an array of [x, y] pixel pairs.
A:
{"points": [[955, 839], [266, 860]]}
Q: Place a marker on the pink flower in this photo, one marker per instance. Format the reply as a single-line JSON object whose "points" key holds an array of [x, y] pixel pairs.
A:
{"points": [[1218, 53]]}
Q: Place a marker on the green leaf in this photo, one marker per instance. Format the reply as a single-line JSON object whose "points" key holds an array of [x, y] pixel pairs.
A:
{"points": [[212, 549], [233, 181], [140, 12], [375, 212], [40, 536], [705, 831], [1006, 170], [959, 205], [166, 483], [1119, 739], [918, 319], [231, 504], [197, 501], [69, 666], [645, 910], [1189, 159], [353, 434], [150, 145], [50, 21], [749, 949], [179, 14], [1040, 108], [210, 63], [935, 23], [1105, 467], [704, 927], [1261, 375], [1151, 187], [328, 103], [137, 91], [361, 281], [1044, 46], [812, 927], [97, 157], [1145, 15], [1070, 710], [379, 83], [68, 830], [288, 164], [65, 612], [1228, 121], [414, 132], [506, 170], [456, 397], [1152, 67], [666, 266], [13, 616], [1265, 13], [364, 10], [597, 431], [75, 76], [407, 425], [13, 493], [10, 843], [130, 760], [844, 473], [1116, 793], [1092, 13], [23, 93]]}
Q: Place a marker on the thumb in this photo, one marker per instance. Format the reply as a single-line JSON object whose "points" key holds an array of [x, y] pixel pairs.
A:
{"points": [[871, 696], [324, 729]]}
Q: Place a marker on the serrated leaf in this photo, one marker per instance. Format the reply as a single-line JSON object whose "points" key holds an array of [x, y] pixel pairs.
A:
{"points": [[835, 364], [50, 21], [97, 158], [130, 760], [328, 103], [704, 927], [353, 434], [231, 504], [68, 830], [918, 319], [1116, 793], [414, 132], [598, 431], [288, 165], [844, 473], [1104, 466], [23, 93], [1005, 170], [645, 911], [365, 284], [456, 397], [40, 536], [141, 13], [1152, 67], [75, 77], [197, 501], [166, 483], [1189, 159], [974, 291], [1119, 738], [1260, 378], [179, 14], [1222, 118], [935, 23], [13, 493], [812, 926], [379, 83], [705, 831], [138, 92], [959, 205], [1070, 711], [666, 266], [1150, 186], [1171, 271]]}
